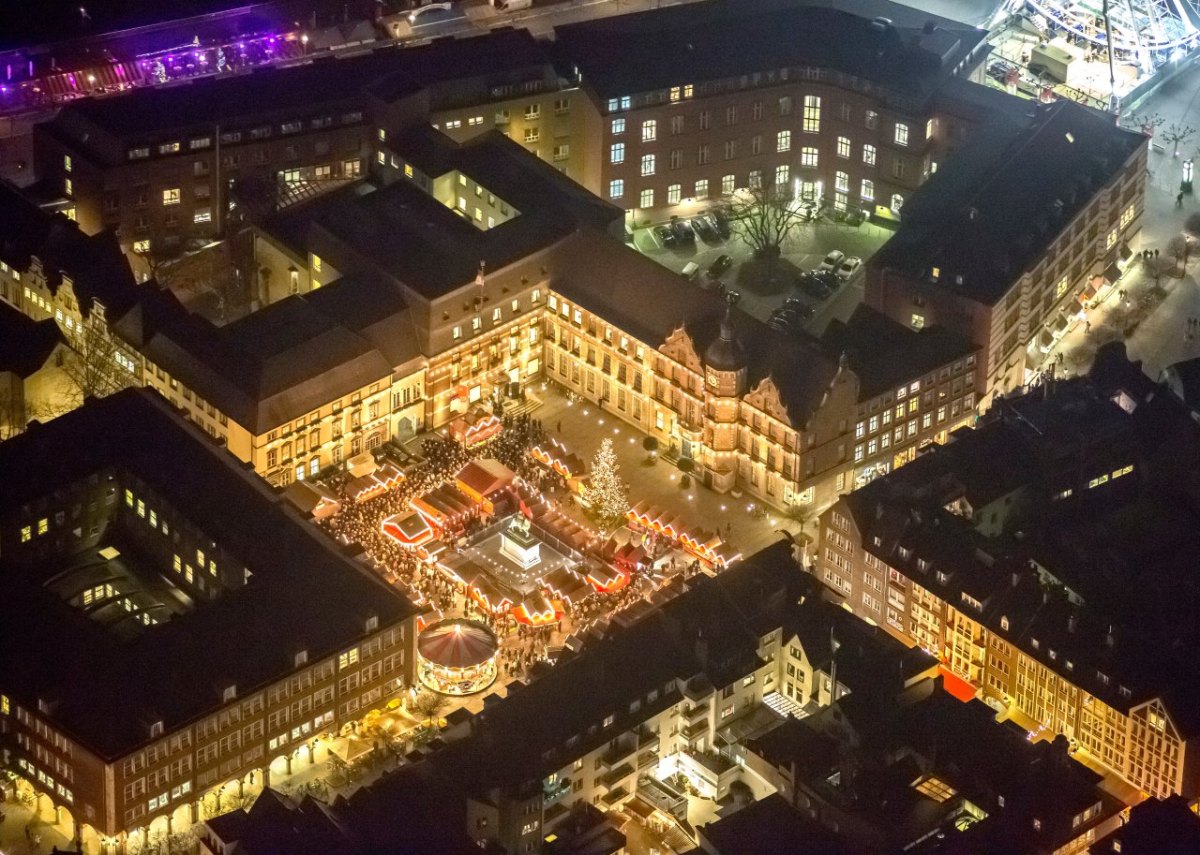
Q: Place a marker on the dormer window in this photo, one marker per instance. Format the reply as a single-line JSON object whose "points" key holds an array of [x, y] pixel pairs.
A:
{"points": [[1004, 622], [300, 659], [229, 694], [372, 623], [156, 729]]}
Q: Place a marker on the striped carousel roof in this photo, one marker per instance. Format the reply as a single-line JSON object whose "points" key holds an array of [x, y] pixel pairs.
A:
{"points": [[457, 643]]}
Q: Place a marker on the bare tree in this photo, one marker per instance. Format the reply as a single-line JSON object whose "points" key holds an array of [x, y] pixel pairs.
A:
{"points": [[429, 704], [1177, 134], [99, 365], [1147, 123], [764, 217]]}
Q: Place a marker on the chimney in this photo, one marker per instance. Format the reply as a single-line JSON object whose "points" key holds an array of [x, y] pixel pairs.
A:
{"points": [[1072, 622], [1110, 640], [1016, 579]]}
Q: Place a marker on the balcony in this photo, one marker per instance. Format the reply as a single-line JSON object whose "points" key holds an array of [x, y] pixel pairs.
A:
{"points": [[621, 752], [647, 739], [647, 759], [614, 797], [695, 713], [694, 730], [617, 776]]}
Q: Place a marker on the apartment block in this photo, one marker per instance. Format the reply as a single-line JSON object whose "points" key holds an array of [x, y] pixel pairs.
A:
{"points": [[177, 636], [1014, 554]]}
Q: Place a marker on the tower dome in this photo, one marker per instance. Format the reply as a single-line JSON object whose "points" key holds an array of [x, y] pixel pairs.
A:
{"points": [[726, 353]]}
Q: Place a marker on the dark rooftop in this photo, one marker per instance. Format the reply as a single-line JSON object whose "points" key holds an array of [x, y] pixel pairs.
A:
{"points": [[884, 353], [105, 689], [625, 55], [25, 344], [1004, 197], [770, 826], [268, 93]]}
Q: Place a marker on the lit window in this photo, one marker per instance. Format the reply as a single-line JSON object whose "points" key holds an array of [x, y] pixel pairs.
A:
{"points": [[350, 657], [783, 141], [701, 191], [66, 163], [649, 130], [647, 164], [646, 199], [617, 153], [782, 174], [618, 126], [616, 188], [808, 156], [812, 114], [901, 134], [674, 194], [843, 147], [26, 534], [869, 154], [868, 190], [897, 202], [728, 184], [170, 196]]}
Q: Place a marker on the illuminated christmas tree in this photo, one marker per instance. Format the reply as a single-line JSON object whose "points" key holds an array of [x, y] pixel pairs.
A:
{"points": [[605, 491]]}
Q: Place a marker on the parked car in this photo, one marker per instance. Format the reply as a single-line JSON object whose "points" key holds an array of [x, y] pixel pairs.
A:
{"points": [[999, 70], [718, 268], [797, 305], [665, 236], [817, 284], [704, 227], [855, 216], [848, 268], [808, 210], [831, 261], [690, 271], [778, 324], [721, 220], [682, 231]]}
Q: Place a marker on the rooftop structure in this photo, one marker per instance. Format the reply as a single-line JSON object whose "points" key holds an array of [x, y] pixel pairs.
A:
{"points": [[896, 50]]}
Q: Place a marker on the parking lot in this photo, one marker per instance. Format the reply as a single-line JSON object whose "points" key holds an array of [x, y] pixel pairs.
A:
{"points": [[804, 250]]}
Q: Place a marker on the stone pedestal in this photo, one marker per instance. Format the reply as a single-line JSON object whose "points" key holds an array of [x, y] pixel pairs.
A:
{"points": [[521, 548]]}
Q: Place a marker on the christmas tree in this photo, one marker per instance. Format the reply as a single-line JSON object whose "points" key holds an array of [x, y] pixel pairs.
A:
{"points": [[605, 491]]}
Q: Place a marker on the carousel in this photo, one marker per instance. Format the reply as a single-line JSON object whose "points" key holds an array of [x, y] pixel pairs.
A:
{"points": [[457, 657]]}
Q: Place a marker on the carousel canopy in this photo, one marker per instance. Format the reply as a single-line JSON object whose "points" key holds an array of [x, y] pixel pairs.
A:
{"points": [[457, 643]]}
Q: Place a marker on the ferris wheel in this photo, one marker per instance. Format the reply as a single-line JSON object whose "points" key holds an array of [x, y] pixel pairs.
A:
{"points": [[1147, 32]]}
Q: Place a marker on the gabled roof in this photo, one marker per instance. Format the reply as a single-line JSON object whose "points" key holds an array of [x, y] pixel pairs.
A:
{"points": [[25, 344]]}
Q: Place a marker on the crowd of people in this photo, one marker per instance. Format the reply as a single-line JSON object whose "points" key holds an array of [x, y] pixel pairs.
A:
{"points": [[522, 646]]}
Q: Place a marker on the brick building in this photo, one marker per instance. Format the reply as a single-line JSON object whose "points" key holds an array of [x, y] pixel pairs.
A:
{"points": [[699, 101]]}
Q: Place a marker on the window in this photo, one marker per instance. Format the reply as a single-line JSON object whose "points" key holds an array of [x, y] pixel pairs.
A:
{"points": [[532, 135], [616, 188], [68, 187], [812, 114], [704, 120], [616, 153], [929, 126], [202, 215], [676, 158], [783, 141], [646, 199], [701, 189], [731, 115], [808, 156], [170, 196], [66, 163], [843, 147], [841, 182], [676, 125], [869, 154], [901, 134], [756, 144], [532, 111], [871, 120], [755, 179], [898, 168], [702, 154], [728, 184], [168, 148], [868, 190], [647, 164], [618, 126], [649, 130], [562, 152], [782, 174], [730, 149], [674, 194], [897, 202]]}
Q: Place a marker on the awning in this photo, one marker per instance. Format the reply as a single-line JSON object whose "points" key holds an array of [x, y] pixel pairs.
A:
{"points": [[1124, 252], [1045, 340], [1112, 273], [1060, 323]]}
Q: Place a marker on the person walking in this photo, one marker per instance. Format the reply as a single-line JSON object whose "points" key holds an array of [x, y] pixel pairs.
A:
{"points": [[1179, 200]]}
